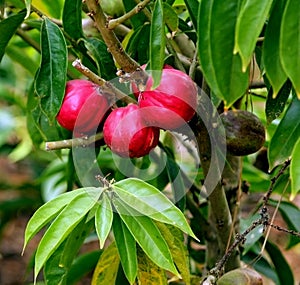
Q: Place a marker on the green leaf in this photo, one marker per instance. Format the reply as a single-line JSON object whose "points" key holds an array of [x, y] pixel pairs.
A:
{"points": [[170, 17], [157, 43], [8, 28], [148, 272], [283, 269], [53, 273], [138, 44], [58, 265], [97, 49], [51, 77], [64, 224], [149, 201], [103, 219], [295, 170], [147, 236], [137, 20], [48, 212], [72, 18], [74, 242], [193, 8], [289, 42], [240, 276], [221, 68], [82, 265], [275, 106], [271, 56], [285, 136], [126, 247], [107, 267], [22, 58], [249, 24]]}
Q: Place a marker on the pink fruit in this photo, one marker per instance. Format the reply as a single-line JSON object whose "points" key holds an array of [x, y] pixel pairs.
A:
{"points": [[173, 102], [126, 134], [83, 107]]}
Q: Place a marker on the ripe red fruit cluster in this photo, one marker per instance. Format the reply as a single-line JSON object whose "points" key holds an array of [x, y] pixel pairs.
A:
{"points": [[131, 131], [83, 107]]}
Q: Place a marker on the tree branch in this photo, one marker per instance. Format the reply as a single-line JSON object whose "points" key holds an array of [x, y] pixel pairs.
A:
{"points": [[111, 40], [139, 7]]}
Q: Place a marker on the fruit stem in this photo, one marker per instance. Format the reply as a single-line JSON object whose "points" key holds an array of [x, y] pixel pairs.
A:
{"points": [[106, 86], [115, 22], [76, 142]]}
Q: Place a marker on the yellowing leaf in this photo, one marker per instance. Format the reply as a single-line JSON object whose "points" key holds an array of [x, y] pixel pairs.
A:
{"points": [[148, 272], [107, 267]]}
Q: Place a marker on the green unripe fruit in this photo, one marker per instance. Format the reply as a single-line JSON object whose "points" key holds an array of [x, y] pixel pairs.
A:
{"points": [[245, 133]]}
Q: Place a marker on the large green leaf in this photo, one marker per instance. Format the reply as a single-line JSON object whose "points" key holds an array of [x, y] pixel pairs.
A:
{"points": [[103, 219], [157, 43], [289, 42], [295, 170], [286, 135], [72, 18], [221, 68], [271, 56], [51, 77], [126, 247], [107, 267], [250, 21], [283, 269], [8, 28], [47, 212], [149, 201], [63, 225], [147, 236]]}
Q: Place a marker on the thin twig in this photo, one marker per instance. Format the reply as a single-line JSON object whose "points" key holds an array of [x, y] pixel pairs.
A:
{"points": [[76, 142], [139, 7], [105, 86], [279, 228]]}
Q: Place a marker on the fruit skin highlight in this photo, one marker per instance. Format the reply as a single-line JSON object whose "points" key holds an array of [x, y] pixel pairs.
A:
{"points": [[175, 100], [245, 133], [126, 133], [83, 107]]}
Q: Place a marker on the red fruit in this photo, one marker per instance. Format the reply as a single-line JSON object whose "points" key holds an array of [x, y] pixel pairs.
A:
{"points": [[126, 134], [135, 89], [83, 107], [175, 100]]}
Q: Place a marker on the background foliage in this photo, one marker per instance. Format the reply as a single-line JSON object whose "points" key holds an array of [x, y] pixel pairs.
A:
{"points": [[244, 54]]}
